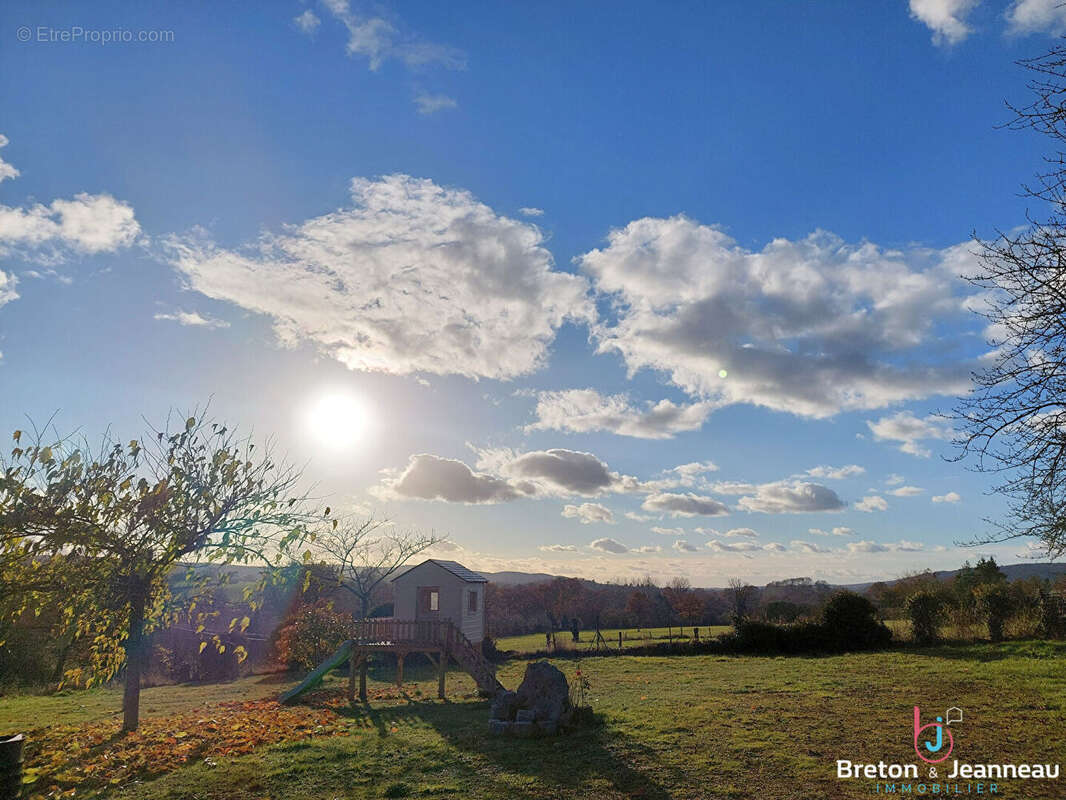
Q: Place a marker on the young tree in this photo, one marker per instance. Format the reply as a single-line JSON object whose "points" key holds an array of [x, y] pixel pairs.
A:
{"points": [[1014, 422], [741, 596], [366, 552], [99, 532]]}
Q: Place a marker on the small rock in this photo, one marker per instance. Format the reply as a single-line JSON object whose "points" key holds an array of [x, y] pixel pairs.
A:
{"points": [[499, 727], [524, 715], [504, 705]]}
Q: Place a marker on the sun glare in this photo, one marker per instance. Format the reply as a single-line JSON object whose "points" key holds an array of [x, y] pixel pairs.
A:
{"points": [[339, 420]]}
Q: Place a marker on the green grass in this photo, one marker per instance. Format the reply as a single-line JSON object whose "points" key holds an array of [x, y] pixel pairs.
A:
{"points": [[631, 637], [672, 727]]}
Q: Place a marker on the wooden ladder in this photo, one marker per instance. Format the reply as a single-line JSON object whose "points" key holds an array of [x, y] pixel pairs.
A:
{"points": [[475, 664]]}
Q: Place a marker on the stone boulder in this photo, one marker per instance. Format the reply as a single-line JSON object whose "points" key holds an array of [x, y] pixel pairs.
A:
{"points": [[540, 707], [504, 706], [545, 692]]}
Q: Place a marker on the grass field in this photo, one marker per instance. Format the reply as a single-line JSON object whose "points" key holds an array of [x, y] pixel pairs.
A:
{"points": [[631, 637], [672, 727]]}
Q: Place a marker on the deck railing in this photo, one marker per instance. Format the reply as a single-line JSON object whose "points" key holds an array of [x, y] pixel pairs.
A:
{"points": [[397, 631]]}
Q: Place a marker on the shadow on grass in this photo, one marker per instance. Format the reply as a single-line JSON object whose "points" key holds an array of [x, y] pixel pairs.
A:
{"points": [[574, 762], [988, 651]]}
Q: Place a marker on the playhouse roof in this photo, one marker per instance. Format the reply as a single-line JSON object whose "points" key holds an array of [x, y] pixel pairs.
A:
{"points": [[454, 567]]}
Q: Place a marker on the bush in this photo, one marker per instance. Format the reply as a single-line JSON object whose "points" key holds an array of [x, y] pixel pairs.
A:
{"points": [[994, 603], [310, 634], [851, 623], [923, 609]]}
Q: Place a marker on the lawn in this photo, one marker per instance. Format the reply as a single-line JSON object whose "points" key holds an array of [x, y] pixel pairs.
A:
{"points": [[672, 727]]}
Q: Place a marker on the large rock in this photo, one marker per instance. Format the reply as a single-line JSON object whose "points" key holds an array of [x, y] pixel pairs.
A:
{"points": [[545, 692], [504, 706]]}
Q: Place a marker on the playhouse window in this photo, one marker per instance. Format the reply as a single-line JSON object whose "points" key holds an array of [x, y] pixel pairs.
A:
{"points": [[472, 602], [430, 599]]}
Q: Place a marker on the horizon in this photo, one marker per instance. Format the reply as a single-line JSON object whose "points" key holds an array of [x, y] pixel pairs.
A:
{"points": [[669, 294]]}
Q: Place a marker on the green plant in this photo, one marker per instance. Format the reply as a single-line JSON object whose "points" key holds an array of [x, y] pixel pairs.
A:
{"points": [[923, 609], [994, 602], [310, 634]]}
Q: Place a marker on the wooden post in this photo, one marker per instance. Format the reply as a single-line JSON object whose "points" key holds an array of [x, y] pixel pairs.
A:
{"points": [[352, 659], [399, 668], [619, 641], [362, 678], [442, 668]]}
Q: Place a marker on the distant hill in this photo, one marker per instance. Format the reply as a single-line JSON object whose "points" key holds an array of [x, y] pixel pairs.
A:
{"points": [[516, 578], [1038, 569]]}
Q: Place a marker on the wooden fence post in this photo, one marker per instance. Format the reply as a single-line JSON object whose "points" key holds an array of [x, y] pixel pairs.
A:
{"points": [[351, 676], [362, 678], [619, 641], [399, 668], [442, 668]]}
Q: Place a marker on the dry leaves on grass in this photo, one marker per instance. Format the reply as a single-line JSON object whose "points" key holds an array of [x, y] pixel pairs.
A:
{"points": [[76, 760]]}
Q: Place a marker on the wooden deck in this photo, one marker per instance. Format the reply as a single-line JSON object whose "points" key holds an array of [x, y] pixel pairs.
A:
{"points": [[439, 640]]}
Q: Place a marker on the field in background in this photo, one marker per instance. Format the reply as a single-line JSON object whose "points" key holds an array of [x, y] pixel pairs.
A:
{"points": [[631, 637], [673, 727]]}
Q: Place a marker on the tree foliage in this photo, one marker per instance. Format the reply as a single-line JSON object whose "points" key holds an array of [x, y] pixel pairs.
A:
{"points": [[96, 531], [1014, 422], [364, 553]]}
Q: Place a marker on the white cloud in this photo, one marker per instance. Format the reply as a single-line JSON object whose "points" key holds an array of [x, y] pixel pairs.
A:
{"points": [[667, 531], [637, 517], [945, 18], [558, 548], [807, 547], [86, 224], [588, 513], [684, 505], [746, 532], [6, 170], [530, 211], [429, 477], [911, 431], [1036, 16], [950, 497], [557, 472], [378, 39], [432, 103], [774, 547], [307, 22], [648, 548], [872, 503], [904, 546], [413, 278], [836, 473], [608, 545], [684, 547], [733, 547], [811, 327], [785, 497], [585, 410], [867, 546], [894, 480], [906, 491], [7, 287], [840, 530], [193, 318], [502, 475]]}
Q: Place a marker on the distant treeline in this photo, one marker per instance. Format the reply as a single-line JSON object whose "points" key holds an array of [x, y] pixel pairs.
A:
{"points": [[976, 602]]}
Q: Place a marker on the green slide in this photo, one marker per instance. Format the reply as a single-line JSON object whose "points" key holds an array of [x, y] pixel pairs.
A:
{"points": [[315, 678]]}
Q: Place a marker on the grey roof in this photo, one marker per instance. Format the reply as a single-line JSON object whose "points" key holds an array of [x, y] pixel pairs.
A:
{"points": [[454, 567]]}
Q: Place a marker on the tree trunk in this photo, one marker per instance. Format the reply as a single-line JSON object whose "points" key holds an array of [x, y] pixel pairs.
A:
{"points": [[131, 697], [364, 605]]}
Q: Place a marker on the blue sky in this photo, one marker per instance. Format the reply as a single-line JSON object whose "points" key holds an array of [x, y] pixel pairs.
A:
{"points": [[602, 289]]}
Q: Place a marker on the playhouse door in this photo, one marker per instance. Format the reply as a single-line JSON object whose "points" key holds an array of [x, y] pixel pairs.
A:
{"points": [[428, 602]]}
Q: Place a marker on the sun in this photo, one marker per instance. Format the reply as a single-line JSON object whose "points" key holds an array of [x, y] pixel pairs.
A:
{"points": [[338, 420]]}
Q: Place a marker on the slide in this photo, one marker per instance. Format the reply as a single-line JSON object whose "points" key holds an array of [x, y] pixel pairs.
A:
{"points": [[315, 678]]}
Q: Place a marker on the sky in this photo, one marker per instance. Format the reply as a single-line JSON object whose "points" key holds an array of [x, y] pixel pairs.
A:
{"points": [[596, 289]]}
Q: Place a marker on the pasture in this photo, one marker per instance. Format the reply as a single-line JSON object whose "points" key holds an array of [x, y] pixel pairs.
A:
{"points": [[670, 727]]}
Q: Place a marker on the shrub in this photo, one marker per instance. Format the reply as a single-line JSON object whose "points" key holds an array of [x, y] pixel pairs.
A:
{"points": [[923, 609], [310, 634], [994, 603], [851, 623]]}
